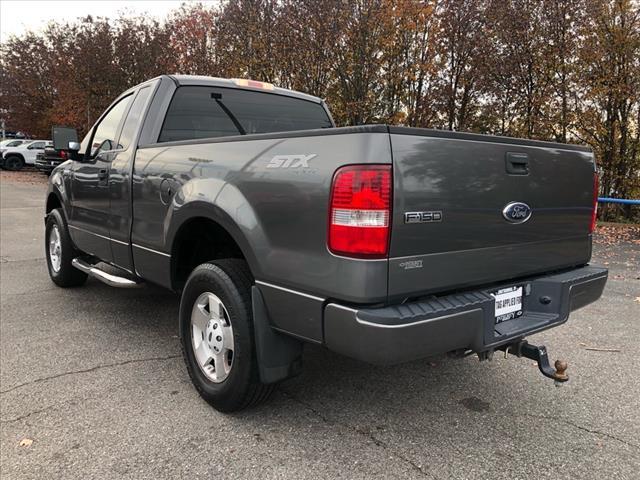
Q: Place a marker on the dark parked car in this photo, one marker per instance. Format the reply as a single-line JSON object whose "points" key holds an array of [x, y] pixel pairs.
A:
{"points": [[383, 243], [49, 159]]}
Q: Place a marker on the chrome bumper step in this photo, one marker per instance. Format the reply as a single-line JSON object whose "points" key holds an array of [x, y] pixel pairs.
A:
{"points": [[105, 277]]}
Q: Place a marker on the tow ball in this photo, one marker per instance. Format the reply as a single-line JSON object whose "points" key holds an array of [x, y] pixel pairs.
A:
{"points": [[539, 354]]}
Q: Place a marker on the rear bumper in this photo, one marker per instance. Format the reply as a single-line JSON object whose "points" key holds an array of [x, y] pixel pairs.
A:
{"points": [[46, 165], [465, 320]]}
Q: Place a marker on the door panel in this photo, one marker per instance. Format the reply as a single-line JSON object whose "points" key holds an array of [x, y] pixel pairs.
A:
{"points": [[32, 151], [120, 183], [90, 207]]}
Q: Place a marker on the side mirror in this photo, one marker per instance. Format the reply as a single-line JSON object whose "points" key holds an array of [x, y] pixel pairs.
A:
{"points": [[74, 148]]}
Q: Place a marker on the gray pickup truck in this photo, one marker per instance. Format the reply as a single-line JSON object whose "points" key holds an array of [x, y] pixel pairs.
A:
{"points": [[382, 243]]}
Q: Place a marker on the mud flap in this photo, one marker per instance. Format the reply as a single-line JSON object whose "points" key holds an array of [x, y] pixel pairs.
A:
{"points": [[279, 356]]}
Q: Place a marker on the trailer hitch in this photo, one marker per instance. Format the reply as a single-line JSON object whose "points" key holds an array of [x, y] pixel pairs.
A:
{"points": [[539, 354]]}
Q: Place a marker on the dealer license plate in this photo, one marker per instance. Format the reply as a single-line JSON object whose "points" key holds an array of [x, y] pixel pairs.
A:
{"points": [[508, 303]]}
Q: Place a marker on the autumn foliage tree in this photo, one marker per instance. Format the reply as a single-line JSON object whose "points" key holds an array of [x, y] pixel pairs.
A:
{"points": [[608, 106], [562, 70]]}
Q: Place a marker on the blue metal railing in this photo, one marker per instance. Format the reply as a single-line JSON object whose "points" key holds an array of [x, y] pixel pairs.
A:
{"points": [[622, 201]]}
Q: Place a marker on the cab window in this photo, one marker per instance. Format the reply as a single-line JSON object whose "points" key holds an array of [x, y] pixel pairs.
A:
{"points": [[206, 112], [104, 138], [133, 118]]}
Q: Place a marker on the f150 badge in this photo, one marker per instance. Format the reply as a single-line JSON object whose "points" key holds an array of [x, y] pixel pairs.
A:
{"points": [[517, 212], [422, 217], [291, 161]]}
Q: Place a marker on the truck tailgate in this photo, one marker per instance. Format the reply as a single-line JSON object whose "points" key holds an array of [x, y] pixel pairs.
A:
{"points": [[450, 191]]}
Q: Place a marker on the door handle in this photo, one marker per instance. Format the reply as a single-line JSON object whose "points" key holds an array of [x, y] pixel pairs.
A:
{"points": [[103, 173], [517, 163]]}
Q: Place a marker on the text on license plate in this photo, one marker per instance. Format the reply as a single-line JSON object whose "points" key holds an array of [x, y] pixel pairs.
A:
{"points": [[508, 303]]}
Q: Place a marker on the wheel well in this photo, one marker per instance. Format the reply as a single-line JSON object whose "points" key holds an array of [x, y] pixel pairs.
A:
{"points": [[17, 156], [198, 241], [53, 202]]}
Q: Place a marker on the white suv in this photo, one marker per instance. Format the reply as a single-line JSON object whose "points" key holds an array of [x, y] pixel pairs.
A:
{"points": [[11, 142], [14, 158]]}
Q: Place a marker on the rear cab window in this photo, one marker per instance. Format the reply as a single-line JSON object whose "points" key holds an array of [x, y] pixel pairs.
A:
{"points": [[133, 118], [206, 112]]}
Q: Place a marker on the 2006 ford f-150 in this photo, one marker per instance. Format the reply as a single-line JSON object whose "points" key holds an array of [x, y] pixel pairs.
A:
{"points": [[383, 243]]}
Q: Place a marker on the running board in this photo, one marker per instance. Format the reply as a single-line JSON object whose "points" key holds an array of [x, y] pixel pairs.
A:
{"points": [[108, 278]]}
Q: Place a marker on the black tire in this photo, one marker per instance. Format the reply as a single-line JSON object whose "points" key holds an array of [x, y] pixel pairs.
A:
{"points": [[230, 280], [13, 162], [67, 275]]}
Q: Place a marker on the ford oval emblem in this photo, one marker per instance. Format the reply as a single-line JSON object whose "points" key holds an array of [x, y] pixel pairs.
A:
{"points": [[517, 212]]}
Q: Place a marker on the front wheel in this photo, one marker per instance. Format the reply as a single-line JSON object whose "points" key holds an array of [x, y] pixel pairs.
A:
{"points": [[13, 162], [60, 252], [216, 333]]}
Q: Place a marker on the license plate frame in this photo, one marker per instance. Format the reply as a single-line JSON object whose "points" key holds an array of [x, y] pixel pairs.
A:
{"points": [[508, 303]]}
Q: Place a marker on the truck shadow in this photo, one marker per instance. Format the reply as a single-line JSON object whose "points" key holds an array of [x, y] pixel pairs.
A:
{"points": [[430, 412], [332, 388]]}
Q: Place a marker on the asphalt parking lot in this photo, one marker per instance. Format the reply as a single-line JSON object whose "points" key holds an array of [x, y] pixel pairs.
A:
{"points": [[92, 385]]}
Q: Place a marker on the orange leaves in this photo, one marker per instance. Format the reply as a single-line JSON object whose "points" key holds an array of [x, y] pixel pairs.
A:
{"points": [[564, 70]]}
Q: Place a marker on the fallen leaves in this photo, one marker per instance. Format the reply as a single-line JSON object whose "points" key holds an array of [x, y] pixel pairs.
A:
{"points": [[30, 176], [618, 244], [26, 442], [615, 233]]}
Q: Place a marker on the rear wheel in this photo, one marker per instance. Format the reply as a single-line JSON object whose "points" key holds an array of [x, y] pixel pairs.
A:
{"points": [[216, 333], [60, 252], [13, 162]]}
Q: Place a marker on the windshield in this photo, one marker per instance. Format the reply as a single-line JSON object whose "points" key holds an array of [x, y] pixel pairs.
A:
{"points": [[11, 143]]}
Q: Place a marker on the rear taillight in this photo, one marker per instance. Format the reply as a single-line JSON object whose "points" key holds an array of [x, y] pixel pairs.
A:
{"points": [[594, 211], [360, 211], [63, 154]]}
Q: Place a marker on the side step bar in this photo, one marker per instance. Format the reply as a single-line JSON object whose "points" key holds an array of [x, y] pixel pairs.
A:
{"points": [[108, 278]]}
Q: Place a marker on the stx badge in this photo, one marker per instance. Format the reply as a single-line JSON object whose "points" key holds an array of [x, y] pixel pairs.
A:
{"points": [[291, 161]]}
